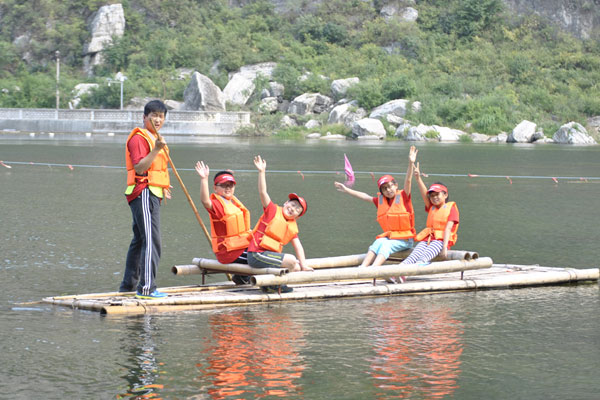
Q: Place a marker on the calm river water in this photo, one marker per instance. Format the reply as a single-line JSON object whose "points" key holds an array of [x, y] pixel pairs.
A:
{"points": [[66, 231]]}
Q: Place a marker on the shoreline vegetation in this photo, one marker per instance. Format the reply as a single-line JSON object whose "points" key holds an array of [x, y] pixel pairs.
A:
{"points": [[464, 70]]}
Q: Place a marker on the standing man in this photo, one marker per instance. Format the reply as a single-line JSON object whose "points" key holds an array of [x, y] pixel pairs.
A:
{"points": [[146, 158]]}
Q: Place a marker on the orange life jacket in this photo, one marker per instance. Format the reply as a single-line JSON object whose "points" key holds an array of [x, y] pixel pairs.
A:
{"points": [[436, 224], [158, 175], [278, 232], [395, 220], [236, 219]]}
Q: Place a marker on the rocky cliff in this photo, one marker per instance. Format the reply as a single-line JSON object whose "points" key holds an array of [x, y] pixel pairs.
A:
{"points": [[580, 17]]}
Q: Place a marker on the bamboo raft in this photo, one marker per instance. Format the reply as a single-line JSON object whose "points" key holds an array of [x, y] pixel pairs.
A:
{"points": [[334, 277]]}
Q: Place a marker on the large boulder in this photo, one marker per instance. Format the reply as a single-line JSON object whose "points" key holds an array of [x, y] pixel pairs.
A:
{"points": [[399, 11], [268, 105], [310, 103], [241, 84], [367, 127], [572, 133], [339, 87], [346, 114], [417, 133], [522, 133], [446, 134], [396, 107], [108, 22], [238, 89], [276, 89], [202, 94]]}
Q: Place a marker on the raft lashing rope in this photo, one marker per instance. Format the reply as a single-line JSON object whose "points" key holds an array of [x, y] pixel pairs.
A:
{"points": [[302, 174]]}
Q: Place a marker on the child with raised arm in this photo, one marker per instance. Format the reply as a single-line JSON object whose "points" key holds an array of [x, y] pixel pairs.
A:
{"points": [[276, 227], [442, 223], [394, 213], [229, 219]]}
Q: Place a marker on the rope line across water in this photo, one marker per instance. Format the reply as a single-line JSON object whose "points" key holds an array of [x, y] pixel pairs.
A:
{"points": [[8, 164]]}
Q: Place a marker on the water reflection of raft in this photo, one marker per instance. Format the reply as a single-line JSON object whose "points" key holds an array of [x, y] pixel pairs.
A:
{"points": [[334, 277]]}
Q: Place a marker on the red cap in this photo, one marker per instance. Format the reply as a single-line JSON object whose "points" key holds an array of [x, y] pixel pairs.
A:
{"points": [[436, 187], [384, 179], [294, 196], [224, 178]]}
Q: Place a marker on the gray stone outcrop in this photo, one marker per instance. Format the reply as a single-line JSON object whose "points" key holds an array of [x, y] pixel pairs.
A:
{"points": [[288, 121], [479, 137], [572, 133], [202, 94], [522, 133], [339, 87], [276, 89], [396, 107], [108, 22], [417, 133], [346, 114], [268, 105], [310, 103], [446, 134], [241, 84], [367, 127], [312, 124]]}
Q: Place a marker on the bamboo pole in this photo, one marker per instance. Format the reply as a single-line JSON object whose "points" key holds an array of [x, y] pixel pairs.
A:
{"points": [[173, 290], [357, 259], [335, 262], [451, 255], [187, 194], [214, 265], [383, 271]]}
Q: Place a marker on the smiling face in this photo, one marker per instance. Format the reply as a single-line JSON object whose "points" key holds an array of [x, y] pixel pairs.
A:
{"points": [[292, 209], [389, 189], [437, 199], [225, 189], [157, 117]]}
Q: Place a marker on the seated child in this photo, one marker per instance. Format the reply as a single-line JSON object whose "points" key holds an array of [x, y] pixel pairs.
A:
{"points": [[442, 223], [394, 213], [276, 227], [229, 219]]}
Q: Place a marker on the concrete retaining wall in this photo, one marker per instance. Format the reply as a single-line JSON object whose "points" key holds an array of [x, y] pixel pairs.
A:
{"points": [[120, 121]]}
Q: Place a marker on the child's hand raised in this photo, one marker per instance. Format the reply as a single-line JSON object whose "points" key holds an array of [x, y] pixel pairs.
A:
{"points": [[340, 186], [412, 155], [202, 169], [260, 163], [417, 171]]}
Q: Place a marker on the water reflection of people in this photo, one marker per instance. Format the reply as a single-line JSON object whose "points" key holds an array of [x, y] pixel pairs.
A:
{"points": [[252, 356], [142, 366], [415, 357]]}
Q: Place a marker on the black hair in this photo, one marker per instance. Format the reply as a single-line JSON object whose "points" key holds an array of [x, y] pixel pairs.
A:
{"points": [[392, 181], [228, 172], [440, 183], [155, 106]]}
